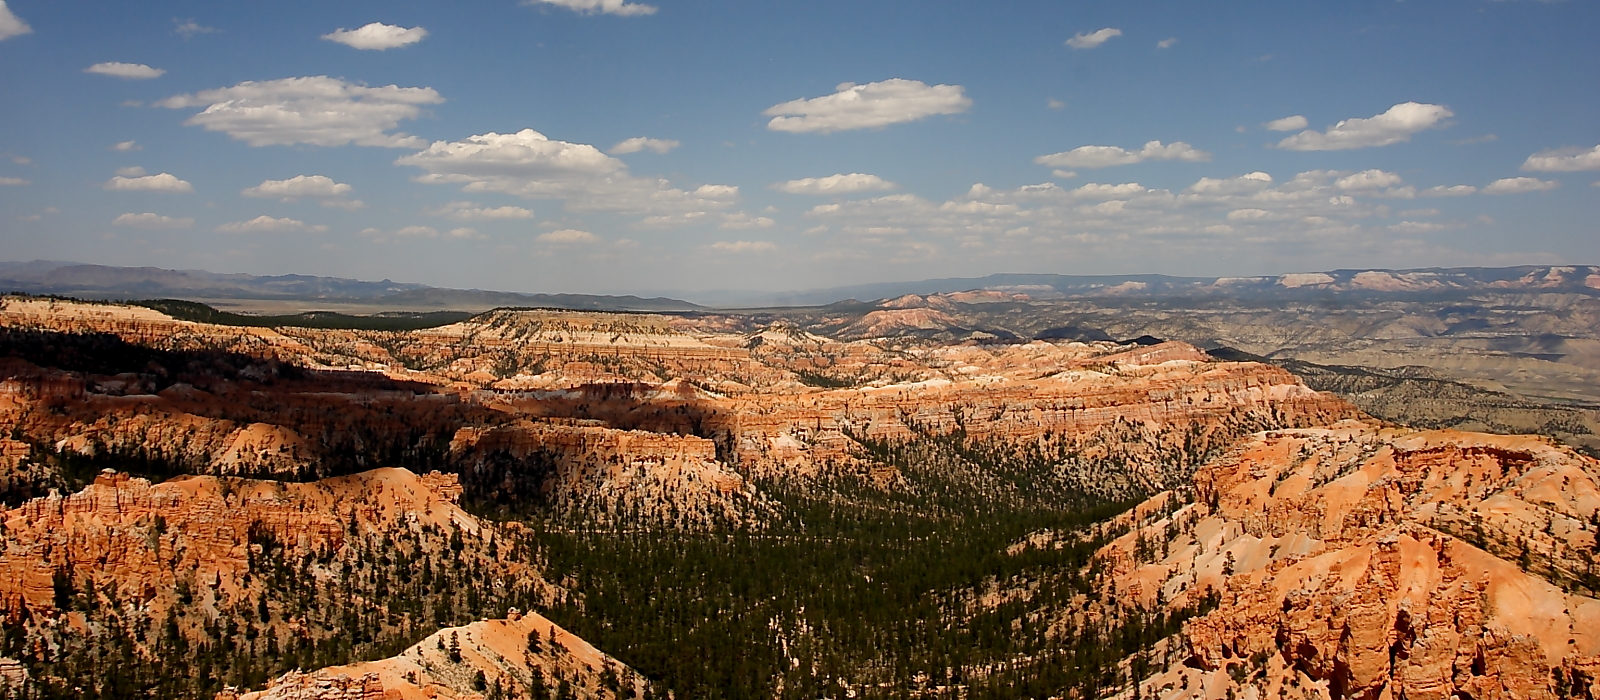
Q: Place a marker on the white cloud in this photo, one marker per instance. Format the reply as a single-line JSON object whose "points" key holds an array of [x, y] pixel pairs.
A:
{"points": [[414, 232], [162, 182], [471, 211], [1167, 43], [640, 143], [267, 224], [310, 186], [377, 36], [465, 233], [1393, 126], [1449, 191], [345, 204], [569, 236], [853, 106], [743, 246], [1063, 174], [1287, 123], [835, 184], [127, 147], [530, 165], [1249, 183], [1418, 227], [152, 221], [10, 24], [743, 221], [188, 28], [1105, 156], [13, 181], [1564, 160], [1420, 212], [131, 71], [1368, 180], [318, 110], [1055, 104], [1095, 38], [607, 7], [1520, 185]]}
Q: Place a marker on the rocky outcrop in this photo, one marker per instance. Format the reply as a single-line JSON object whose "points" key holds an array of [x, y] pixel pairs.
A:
{"points": [[145, 538], [1365, 562], [511, 655], [610, 477]]}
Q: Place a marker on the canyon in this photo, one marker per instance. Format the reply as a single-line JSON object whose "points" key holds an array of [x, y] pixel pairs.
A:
{"points": [[479, 508]]}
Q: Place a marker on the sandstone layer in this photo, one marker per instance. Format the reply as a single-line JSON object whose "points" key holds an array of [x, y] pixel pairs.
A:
{"points": [[465, 663], [1365, 562]]}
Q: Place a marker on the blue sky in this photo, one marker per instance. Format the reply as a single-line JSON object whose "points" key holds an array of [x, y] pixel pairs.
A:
{"points": [[609, 146]]}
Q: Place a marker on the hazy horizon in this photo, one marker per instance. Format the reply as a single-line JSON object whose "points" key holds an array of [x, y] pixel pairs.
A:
{"points": [[604, 146]]}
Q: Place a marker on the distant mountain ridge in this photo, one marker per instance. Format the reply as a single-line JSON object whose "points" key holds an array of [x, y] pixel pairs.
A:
{"points": [[1411, 284], [108, 282]]}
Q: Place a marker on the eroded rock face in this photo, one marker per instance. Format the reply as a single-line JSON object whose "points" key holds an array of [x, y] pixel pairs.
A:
{"points": [[143, 538], [769, 403], [608, 476], [1365, 562], [447, 665]]}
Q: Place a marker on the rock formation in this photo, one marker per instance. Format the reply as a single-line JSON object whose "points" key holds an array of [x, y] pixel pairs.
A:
{"points": [[1365, 562], [514, 656]]}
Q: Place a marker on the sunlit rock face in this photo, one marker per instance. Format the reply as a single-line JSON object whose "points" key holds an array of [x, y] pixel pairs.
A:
{"points": [[451, 664], [1360, 561]]}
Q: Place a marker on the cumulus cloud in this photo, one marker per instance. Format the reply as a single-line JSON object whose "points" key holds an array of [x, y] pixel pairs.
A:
{"points": [[1105, 156], [471, 211], [835, 184], [1368, 180], [1089, 40], [530, 165], [1449, 191], [1248, 183], [1395, 125], [1167, 43], [267, 224], [1287, 123], [127, 146], [13, 181], [743, 246], [10, 24], [640, 143], [853, 106], [318, 110], [1520, 185], [377, 36], [607, 7], [1308, 211], [743, 221], [133, 180], [189, 28], [568, 236], [418, 233], [151, 221], [1417, 227], [130, 71], [1564, 160], [308, 186]]}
